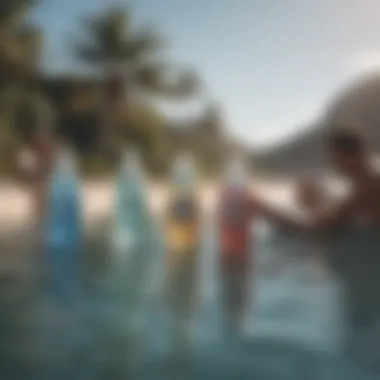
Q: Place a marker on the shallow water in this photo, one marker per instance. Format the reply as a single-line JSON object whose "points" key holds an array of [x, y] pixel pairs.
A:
{"points": [[94, 339]]}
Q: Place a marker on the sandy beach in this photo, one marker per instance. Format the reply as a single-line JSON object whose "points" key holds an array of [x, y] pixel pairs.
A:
{"points": [[98, 197], [16, 225]]}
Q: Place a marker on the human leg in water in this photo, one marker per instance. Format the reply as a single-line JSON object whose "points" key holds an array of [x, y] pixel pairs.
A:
{"points": [[181, 341], [234, 297], [182, 298]]}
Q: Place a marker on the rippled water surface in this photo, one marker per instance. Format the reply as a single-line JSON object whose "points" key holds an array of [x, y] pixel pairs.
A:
{"points": [[294, 330]]}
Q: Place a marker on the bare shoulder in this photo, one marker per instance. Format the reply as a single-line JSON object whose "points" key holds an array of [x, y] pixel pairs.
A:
{"points": [[376, 180], [370, 188], [339, 212]]}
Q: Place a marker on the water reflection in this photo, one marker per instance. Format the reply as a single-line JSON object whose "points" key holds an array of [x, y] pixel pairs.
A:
{"points": [[97, 347]]}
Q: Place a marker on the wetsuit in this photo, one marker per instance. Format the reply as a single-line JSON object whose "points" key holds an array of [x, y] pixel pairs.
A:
{"points": [[235, 217], [182, 239]]}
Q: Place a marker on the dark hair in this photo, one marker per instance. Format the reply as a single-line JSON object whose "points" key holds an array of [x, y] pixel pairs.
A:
{"points": [[346, 141]]}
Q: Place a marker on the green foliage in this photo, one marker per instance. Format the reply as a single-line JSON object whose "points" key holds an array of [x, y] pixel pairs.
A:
{"points": [[111, 38], [31, 100], [13, 10], [112, 42]]}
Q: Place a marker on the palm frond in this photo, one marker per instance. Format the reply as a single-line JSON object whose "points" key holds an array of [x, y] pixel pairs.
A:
{"points": [[161, 80], [112, 41], [144, 44], [185, 84], [89, 53], [106, 37], [150, 77], [12, 10], [31, 40]]}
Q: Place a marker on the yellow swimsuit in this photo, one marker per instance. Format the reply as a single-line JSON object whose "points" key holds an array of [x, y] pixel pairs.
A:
{"points": [[182, 237]]}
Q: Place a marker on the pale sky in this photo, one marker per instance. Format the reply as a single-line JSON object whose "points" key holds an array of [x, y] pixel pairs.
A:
{"points": [[272, 64]]}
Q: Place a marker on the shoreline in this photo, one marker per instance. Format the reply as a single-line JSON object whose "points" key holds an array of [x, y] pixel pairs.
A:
{"points": [[17, 228], [97, 199]]}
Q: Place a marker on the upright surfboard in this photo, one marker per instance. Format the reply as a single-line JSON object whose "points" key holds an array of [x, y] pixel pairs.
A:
{"points": [[182, 222], [61, 326], [132, 230], [133, 247], [64, 233]]}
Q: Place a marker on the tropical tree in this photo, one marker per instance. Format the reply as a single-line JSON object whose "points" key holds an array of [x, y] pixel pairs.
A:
{"points": [[20, 98], [131, 59], [13, 14], [112, 42], [20, 72], [13, 10]]}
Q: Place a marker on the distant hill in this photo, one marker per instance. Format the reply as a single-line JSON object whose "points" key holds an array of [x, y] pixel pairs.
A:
{"points": [[300, 155], [357, 105]]}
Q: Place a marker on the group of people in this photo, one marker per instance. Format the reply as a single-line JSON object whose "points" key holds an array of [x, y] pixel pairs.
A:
{"points": [[238, 206]]}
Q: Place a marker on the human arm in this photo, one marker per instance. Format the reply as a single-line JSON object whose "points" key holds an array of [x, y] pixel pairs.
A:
{"points": [[337, 215], [326, 221], [279, 217]]}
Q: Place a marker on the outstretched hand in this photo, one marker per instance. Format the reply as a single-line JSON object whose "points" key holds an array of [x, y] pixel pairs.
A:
{"points": [[277, 216], [257, 204]]}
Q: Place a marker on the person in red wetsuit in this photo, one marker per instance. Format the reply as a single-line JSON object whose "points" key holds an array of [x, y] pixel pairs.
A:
{"points": [[235, 215]]}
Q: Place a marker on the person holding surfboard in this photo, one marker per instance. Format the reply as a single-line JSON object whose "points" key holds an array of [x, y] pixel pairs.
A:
{"points": [[235, 214], [182, 258]]}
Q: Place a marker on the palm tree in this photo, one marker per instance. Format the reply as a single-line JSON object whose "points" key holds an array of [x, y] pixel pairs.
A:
{"points": [[12, 12], [20, 45], [12, 8], [20, 48], [18, 40], [131, 59], [19, 65]]}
